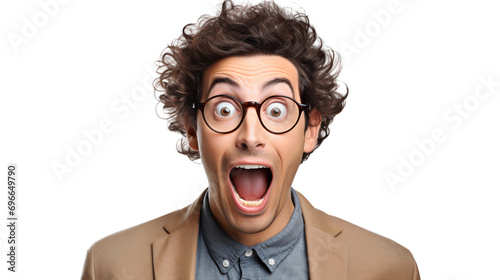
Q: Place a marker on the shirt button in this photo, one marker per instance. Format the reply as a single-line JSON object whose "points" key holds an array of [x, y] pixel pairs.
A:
{"points": [[249, 253], [225, 263], [271, 262]]}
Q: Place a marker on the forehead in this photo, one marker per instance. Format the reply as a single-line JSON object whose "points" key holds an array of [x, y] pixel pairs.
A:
{"points": [[250, 73]]}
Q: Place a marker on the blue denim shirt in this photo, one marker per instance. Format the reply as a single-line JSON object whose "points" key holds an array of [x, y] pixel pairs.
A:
{"points": [[283, 256]]}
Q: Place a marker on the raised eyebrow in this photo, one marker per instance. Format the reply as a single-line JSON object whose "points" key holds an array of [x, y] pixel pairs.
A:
{"points": [[277, 81], [216, 81]]}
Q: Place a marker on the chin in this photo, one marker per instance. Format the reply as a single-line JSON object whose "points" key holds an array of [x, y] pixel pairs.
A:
{"points": [[251, 225]]}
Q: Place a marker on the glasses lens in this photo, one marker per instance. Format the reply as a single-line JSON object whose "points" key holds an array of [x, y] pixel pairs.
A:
{"points": [[222, 113], [279, 114]]}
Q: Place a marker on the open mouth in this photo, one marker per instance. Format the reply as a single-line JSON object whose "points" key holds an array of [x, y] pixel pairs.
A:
{"points": [[250, 183]]}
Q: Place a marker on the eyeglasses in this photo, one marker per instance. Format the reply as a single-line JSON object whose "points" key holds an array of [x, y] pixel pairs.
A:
{"points": [[278, 114]]}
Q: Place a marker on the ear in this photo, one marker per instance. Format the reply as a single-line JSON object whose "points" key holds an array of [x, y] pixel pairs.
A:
{"points": [[312, 131], [191, 135]]}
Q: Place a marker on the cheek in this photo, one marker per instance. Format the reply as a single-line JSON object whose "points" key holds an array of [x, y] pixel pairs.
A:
{"points": [[292, 144], [290, 150], [208, 148], [212, 147]]}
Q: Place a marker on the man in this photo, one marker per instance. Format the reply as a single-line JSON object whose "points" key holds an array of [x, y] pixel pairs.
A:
{"points": [[253, 92]]}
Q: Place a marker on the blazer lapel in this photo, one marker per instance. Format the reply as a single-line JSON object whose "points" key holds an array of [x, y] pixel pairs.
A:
{"points": [[328, 258], [174, 255]]}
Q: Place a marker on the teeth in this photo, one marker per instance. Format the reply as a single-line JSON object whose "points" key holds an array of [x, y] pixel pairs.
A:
{"points": [[251, 166], [246, 202]]}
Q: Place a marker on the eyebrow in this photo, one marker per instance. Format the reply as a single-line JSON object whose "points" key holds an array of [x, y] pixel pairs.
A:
{"points": [[277, 81], [232, 83], [222, 81]]}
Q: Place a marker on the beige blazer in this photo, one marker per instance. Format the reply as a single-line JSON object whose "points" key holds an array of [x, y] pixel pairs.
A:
{"points": [[165, 248]]}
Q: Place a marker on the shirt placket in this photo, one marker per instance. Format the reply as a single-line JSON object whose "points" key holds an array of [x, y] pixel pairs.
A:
{"points": [[250, 267]]}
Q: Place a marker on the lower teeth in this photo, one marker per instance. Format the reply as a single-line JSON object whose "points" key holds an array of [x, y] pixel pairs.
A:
{"points": [[251, 203], [246, 202]]}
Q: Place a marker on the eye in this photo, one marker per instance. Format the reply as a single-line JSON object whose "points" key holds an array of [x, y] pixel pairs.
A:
{"points": [[225, 109], [276, 110]]}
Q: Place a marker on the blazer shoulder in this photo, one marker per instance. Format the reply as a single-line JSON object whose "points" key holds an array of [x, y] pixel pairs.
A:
{"points": [[356, 238], [368, 253], [146, 231], [126, 253], [361, 238], [375, 254]]}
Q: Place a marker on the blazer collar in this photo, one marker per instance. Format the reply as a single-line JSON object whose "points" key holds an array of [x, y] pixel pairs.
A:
{"points": [[174, 254]]}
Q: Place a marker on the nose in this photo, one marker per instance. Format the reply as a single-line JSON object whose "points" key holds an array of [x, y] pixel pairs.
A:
{"points": [[251, 135]]}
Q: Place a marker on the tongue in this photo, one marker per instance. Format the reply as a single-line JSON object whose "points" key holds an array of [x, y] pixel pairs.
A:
{"points": [[251, 184]]}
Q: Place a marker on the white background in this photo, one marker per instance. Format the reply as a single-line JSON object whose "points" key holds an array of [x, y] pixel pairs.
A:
{"points": [[75, 67]]}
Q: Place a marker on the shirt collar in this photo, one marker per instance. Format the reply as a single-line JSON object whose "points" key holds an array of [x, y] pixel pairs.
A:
{"points": [[223, 248]]}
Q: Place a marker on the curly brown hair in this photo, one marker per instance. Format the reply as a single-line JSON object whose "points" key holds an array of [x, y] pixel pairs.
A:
{"points": [[238, 30]]}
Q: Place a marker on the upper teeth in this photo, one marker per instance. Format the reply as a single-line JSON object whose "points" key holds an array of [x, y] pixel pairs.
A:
{"points": [[251, 166]]}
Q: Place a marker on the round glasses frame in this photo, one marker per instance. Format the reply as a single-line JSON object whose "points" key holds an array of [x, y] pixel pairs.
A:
{"points": [[254, 104]]}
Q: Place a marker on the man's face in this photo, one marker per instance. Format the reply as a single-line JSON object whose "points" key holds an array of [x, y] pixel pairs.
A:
{"points": [[245, 200]]}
